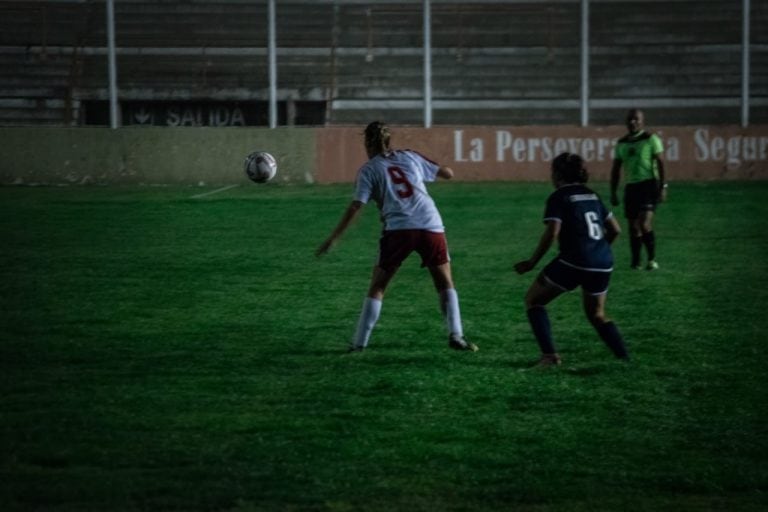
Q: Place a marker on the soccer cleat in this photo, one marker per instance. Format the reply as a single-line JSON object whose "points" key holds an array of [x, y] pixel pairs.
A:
{"points": [[354, 348], [548, 360], [459, 343], [652, 265], [635, 266]]}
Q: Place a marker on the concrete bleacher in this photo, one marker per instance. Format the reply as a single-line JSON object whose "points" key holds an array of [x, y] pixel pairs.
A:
{"points": [[500, 62]]}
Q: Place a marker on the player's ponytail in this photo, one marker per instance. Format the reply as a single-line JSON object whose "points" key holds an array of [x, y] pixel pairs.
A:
{"points": [[377, 137], [570, 168]]}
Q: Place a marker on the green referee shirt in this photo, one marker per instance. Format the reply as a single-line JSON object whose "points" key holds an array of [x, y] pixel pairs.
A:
{"points": [[636, 153]]}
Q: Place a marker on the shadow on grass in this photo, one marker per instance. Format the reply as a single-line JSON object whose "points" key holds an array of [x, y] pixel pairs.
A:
{"points": [[585, 371]]}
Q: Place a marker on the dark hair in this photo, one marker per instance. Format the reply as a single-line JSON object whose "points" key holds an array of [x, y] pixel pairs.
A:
{"points": [[569, 168], [377, 137]]}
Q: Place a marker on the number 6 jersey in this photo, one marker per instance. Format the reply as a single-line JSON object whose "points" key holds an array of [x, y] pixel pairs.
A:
{"points": [[581, 215], [397, 182]]}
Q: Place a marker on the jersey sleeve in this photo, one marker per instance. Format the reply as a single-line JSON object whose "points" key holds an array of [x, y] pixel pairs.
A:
{"points": [[427, 167], [617, 151], [553, 210], [656, 145], [363, 185]]}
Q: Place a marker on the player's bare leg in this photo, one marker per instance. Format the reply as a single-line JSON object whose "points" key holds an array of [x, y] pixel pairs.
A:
{"points": [[449, 305], [541, 293], [379, 281], [441, 276], [594, 308]]}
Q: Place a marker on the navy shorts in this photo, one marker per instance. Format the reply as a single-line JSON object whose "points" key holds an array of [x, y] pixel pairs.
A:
{"points": [[397, 245], [567, 278], [640, 197]]}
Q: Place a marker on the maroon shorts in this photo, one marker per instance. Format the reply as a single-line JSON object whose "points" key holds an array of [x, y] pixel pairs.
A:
{"points": [[397, 245]]}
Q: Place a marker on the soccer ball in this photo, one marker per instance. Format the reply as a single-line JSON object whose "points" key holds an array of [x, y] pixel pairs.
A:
{"points": [[260, 166]]}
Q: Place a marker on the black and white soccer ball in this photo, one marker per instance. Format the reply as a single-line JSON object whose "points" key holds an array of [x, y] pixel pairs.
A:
{"points": [[260, 166]]}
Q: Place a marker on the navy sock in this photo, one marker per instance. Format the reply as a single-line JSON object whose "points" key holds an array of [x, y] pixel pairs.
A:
{"points": [[635, 245], [539, 320], [610, 334], [649, 240]]}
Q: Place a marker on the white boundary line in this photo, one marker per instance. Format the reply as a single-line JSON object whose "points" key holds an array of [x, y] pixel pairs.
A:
{"points": [[222, 189]]}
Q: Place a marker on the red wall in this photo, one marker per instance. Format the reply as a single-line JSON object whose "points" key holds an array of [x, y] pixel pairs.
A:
{"points": [[524, 152]]}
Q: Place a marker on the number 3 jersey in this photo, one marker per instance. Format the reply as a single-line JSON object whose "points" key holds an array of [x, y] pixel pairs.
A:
{"points": [[397, 182], [581, 215]]}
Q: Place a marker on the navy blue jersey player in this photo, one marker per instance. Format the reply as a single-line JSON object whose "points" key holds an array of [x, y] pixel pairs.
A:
{"points": [[576, 217]]}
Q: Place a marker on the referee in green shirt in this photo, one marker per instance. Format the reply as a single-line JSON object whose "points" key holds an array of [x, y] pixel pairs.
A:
{"points": [[639, 153]]}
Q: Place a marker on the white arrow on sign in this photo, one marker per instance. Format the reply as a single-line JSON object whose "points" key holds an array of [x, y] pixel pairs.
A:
{"points": [[143, 116]]}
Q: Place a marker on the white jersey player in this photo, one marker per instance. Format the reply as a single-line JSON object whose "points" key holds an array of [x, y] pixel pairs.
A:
{"points": [[396, 181]]}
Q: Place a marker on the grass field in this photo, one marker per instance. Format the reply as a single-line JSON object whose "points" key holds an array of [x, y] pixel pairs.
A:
{"points": [[166, 352]]}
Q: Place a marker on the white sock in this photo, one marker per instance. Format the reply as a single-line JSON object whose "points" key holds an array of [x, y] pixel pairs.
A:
{"points": [[449, 304], [368, 318]]}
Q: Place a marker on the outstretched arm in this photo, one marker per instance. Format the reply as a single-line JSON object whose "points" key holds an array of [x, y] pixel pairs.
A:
{"points": [[615, 176], [445, 172], [545, 242], [662, 177], [350, 214], [612, 229]]}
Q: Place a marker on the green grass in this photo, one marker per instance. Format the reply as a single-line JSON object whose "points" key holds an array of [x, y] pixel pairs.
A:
{"points": [[161, 352]]}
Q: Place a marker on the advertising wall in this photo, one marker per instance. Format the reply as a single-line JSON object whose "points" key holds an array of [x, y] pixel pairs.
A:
{"points": [[524, 152], [214, 156]]}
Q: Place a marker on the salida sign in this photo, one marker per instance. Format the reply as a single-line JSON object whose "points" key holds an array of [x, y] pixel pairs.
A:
{"points": [[193, 114]]}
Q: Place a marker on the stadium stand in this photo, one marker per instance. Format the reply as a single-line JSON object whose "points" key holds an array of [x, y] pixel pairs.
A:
{"points": [[494, 63]]}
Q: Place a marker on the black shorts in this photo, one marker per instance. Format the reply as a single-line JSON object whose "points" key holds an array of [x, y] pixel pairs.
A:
{"points": [[567, 277], [640, 197]]}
